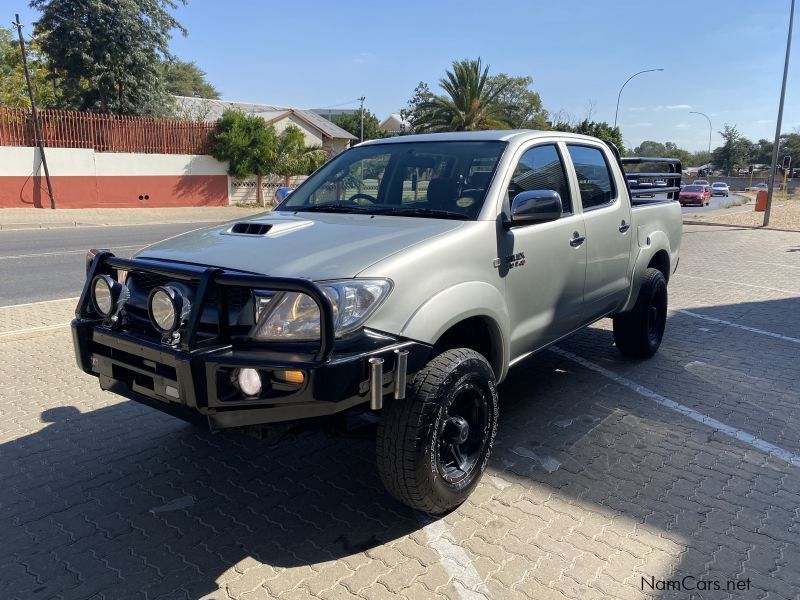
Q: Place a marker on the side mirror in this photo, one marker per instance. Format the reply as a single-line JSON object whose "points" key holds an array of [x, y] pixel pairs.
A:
{"points": [[536, 206]]}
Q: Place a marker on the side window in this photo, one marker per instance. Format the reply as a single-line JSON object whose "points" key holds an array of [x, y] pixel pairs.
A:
{"points": [[594, 177], [541, 168]]}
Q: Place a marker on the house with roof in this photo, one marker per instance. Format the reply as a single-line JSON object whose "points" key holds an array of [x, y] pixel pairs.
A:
{"points": [[317, 130], [394, 124]]}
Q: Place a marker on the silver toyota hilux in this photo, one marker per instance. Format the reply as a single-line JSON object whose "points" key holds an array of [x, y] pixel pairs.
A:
{"points": [[405, 277]]}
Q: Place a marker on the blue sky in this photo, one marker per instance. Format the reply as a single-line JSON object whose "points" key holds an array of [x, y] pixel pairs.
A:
{"points": [[721, 57]]}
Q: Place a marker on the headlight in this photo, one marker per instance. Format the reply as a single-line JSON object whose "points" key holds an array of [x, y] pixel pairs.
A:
{"points": [[108, 295], [168, 308], [295, 317]]}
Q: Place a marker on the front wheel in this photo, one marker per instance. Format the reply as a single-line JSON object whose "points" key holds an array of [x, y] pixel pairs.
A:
{"points": [[638, 332], [434, 445]]}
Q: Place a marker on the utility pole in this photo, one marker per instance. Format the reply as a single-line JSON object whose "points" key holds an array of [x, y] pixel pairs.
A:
{"points": [[780, 119], [37, 127], [362, 118]]}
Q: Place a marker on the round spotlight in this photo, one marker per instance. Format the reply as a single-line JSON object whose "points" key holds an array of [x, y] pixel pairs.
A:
{"points": [[166, 308], [249, 382], [103, 295]]}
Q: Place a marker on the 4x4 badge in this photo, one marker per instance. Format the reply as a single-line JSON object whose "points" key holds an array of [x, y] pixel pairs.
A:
{"points": [[512, 260]]}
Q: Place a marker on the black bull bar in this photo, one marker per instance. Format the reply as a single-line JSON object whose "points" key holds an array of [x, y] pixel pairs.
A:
{"points": [[208, 280]]}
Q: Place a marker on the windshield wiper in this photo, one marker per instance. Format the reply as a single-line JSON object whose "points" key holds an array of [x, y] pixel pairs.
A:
{"points": [[331, 207], [427, 212]]}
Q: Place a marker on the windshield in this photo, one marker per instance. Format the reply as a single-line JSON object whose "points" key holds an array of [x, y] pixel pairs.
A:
{"points": [[422, 179], [693, 188], [719, 185]]}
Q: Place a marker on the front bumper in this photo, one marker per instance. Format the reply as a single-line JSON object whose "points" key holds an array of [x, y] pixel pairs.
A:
{"points": [[193, 378], [196, 385]]}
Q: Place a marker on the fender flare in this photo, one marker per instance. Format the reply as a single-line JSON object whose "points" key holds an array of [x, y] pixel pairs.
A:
{"points": [[457, 303], [647, 245]]}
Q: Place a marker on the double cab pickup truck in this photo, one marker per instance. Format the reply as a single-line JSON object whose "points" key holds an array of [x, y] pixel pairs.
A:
{"points": [[406, 277]]}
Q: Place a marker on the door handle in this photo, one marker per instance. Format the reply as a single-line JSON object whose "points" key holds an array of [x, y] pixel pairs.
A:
{"points": [[577, 240], [624, 227]]}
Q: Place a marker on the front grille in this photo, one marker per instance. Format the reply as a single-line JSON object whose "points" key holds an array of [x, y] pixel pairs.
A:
{"points": [[141, 283], [145, 281]]}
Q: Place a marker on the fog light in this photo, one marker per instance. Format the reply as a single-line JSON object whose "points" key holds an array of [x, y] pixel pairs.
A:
{"points": [[295, 377], [249, 382], [168, 308], [108, 296]]}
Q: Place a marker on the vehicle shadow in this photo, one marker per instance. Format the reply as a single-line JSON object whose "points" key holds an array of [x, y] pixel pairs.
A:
{"points": [[125, 498], [163, 505]]}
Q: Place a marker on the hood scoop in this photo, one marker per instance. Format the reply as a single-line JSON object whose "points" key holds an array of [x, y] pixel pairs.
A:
{"points": [[267, 229], [251, 228]]}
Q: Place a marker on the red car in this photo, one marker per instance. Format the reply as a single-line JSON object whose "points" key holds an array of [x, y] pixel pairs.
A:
{"points": [[695, 194]]}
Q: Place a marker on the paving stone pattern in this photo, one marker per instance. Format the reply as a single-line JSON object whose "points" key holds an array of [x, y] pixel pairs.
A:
{"points": [[593, 489]]}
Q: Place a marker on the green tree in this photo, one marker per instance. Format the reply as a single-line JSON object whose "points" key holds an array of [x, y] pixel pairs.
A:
{"points": [[790, 144], [701, 157], [598, 129], [762, 152], [520, 105], [469, 103], [249, 146], [734, 153], [665, 150], [183, 78], [107, 54], [422, 95], [13, 89], [351, 122], [293, 157]]}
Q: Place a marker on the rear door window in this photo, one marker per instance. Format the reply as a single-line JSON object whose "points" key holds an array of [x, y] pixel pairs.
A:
{"points": [[594, 176]]}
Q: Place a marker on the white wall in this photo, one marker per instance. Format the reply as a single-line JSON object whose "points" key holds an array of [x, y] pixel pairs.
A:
{"points": [[25, 161]]}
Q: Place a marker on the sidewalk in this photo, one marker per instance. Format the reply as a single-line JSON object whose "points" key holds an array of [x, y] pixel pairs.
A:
{"points": [[42, 218]]}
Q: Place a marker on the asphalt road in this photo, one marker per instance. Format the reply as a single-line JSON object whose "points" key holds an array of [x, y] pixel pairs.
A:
{"points": [[717, 202], [45, 264]]}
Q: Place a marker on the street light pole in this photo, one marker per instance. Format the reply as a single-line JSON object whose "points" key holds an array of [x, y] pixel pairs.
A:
{"points": [[780, 119], [710, 128], [362, 118], [616, 114]]}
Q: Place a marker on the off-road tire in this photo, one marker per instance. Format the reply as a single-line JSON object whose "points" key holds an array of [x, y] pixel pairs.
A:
{"points": [[411, 435], [638, 332]]}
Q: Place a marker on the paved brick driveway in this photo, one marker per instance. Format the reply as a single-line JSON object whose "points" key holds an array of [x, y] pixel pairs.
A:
{"points": [[607, 471]]}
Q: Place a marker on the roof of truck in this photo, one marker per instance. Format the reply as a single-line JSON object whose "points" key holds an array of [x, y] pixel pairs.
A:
{"points": [[498, 135]]}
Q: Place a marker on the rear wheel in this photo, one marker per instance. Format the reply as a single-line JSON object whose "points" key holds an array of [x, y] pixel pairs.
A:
{"points": [[638, 332], [434, 445]]}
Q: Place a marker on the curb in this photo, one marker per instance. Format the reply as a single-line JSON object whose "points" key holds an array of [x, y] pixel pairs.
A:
{"points": [[23, 226], [30, 226]]}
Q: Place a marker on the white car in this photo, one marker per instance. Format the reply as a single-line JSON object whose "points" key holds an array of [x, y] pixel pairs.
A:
{"points": [[718, 188]]}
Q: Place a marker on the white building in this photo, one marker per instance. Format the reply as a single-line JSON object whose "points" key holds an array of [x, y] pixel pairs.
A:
{"points": [[318, 130]]}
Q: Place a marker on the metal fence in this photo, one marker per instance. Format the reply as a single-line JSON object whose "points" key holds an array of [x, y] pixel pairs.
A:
{"points": [[105, 133]]}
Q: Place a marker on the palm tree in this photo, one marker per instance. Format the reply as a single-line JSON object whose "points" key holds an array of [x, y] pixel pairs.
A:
{"points": [[470, 103], [293, 157]]}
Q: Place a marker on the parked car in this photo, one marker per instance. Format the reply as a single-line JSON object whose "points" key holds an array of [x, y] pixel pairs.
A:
{"points": [[700, 182], [720, 188], [695, 194], [757, 187], [411, 305]]}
